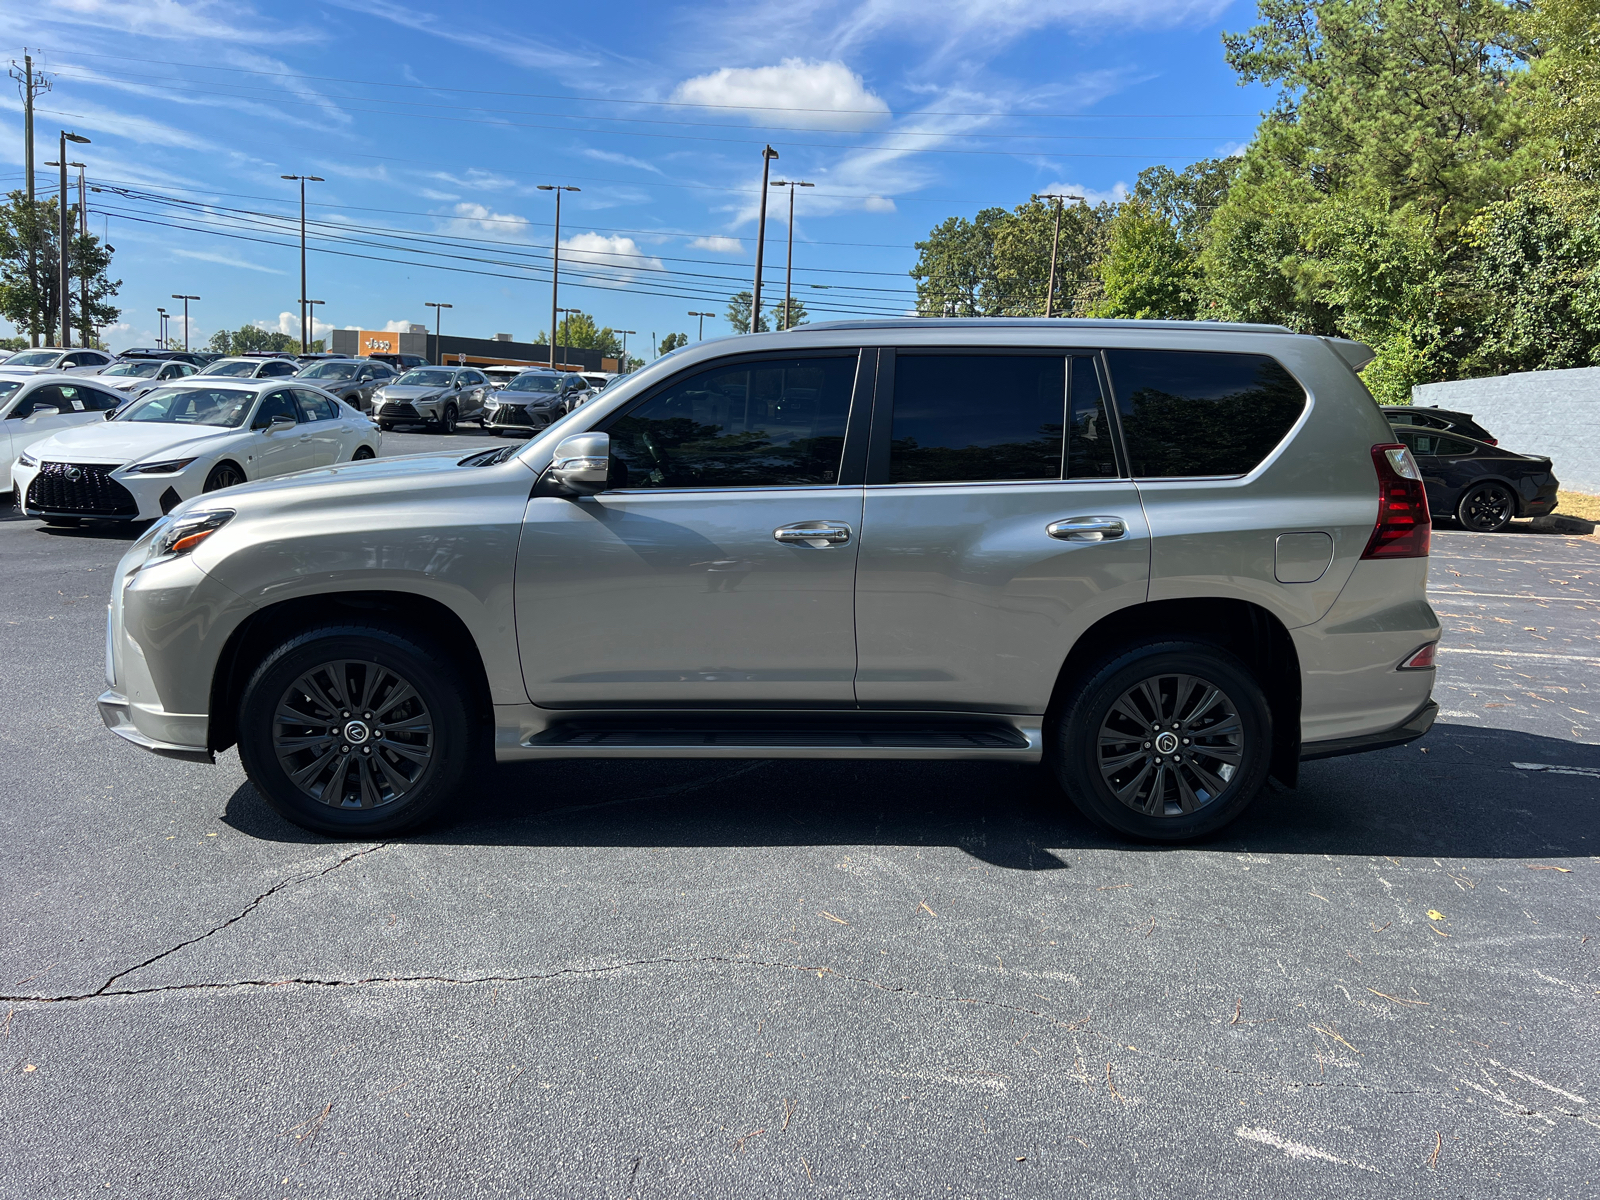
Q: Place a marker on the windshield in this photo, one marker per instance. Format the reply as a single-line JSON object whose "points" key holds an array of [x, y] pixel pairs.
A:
{"points": [[223, 407], [142, 369], [244, 370], [533, 383], [34, 358], [424, 379], [330, 370]]}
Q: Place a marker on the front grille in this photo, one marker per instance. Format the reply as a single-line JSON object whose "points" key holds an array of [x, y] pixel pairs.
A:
{"points": [[398, 410], [508, 414], [93, 493]]}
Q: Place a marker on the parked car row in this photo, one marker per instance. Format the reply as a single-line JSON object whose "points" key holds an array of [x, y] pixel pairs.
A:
{"points": [[1468, 474]]}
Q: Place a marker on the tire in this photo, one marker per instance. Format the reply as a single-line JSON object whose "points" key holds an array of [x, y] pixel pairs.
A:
{"points": [[376, 786], [447, 419], [1098, 749], [386, 426], [223, 475], [362, 454], [1487, 508]]}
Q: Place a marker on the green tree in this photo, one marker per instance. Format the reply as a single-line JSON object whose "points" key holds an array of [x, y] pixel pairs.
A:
{"points": [[1146, 271], [788, 318], [998, 264], [1189, 198], [739, 314], [30, 291], [580, 331], [1564, 87], [13, 343], [673, 340], [249, 339]]}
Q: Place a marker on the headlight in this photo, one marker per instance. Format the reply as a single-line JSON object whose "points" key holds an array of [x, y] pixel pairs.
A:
{"points": [[185, 533], [160, 468], [27, 460]]}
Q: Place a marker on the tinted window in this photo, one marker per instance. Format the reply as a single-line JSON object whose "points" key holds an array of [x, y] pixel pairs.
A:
{"points": [[1189, 413], [49, 394], [277, 367], [94, 400], [766, 424], [971, 417], [279, 404], [1450, 445], [1090, 453], [1435, 443], [314, 407]]}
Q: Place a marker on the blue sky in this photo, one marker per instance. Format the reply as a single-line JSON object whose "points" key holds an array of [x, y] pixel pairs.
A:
{"points": [[433, 126]]}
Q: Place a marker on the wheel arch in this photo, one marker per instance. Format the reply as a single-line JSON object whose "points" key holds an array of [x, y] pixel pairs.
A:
{"points": [[228, 460], [1247, 631], [267, 627]]}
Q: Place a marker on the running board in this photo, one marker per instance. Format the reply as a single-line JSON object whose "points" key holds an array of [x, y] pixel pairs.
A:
{"points": [[792, 736]]}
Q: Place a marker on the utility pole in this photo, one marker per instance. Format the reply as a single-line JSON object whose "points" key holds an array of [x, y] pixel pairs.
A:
{"points": [[788, 270], [438, 311], [624, 363], [84, 329], [185, 300], [305, 328], [555, 262], [64, 232], [702, 316], [1055, 242], [767, 156], [31, 85]]}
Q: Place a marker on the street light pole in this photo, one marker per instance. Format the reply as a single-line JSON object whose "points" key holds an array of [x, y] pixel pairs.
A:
{"points": [[702, 316], [66, 240], [555, 262], [788, 270], [568, 312], [185, 300], [624, 363], [83, 274], [1050, 294], [162, 324], [767, 156], [438, 311], [305, 329], [311, 307]]}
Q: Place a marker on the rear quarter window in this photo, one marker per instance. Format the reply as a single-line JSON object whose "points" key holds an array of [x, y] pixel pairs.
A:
{"points": [[1188, 413]]}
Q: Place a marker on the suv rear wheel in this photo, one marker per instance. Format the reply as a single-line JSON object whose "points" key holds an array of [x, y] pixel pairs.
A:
{"points": [[1168, 741], [355, 730]]}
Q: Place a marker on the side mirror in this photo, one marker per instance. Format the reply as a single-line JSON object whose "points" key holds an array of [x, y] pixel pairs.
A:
{"points": [[278, 422], [581, 466], [44, 410]]}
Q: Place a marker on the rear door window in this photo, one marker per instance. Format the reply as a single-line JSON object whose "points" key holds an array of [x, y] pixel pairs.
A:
{"points": [[772, 423], [1199, 413], [969, 418], [315, 407], [1090, 451]]}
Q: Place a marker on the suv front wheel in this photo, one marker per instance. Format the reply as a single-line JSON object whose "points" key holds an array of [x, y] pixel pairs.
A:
{"points": [[1168, 741], [355, 730]]}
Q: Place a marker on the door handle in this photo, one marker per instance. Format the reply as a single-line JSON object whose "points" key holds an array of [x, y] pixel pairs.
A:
{"points": [[1087, 529], [816, 534]]}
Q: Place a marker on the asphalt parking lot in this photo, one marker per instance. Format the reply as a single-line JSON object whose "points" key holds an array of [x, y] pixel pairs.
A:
{"points": [[641, 979]]}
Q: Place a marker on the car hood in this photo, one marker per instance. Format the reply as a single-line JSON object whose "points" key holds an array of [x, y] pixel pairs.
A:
{"points": [[128, 441], [411, 392]]}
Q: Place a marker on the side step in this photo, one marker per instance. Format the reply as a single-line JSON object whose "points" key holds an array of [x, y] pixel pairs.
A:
{"points": [[791, 736]]}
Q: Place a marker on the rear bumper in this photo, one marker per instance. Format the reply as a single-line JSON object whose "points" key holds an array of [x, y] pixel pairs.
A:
{"points": [[1409, 730], [117, 712]]}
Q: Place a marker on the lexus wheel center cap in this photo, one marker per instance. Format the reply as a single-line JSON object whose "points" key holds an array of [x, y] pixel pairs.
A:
{"points": [[356, 732], [1166, 743]]}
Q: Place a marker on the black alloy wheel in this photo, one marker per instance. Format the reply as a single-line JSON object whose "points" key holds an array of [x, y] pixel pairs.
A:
{"points": [[223, 475], [356, 730], [1487, 508], [447, 419], [362, 454], [1168, 741]]}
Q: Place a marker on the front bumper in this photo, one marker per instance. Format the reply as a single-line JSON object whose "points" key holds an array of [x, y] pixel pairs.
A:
{"points": [[116, 712], [519, 417], [104, 492]]}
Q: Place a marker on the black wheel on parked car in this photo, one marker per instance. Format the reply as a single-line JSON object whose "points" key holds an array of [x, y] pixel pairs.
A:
{"points": [[362, 454], [356, 730], [386, 426], [1487, 508], [447, 419], [223, 475], [1167, 741]]}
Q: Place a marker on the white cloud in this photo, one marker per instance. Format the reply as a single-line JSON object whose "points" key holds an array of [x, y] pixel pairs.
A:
{"points": [[289, 324], [172, 19], [718, 245], [502, 43], [793, 91], [470, 218], [624, 160], [399, 326], [84, 115], [1115, 194], [226, 260], [619, 253]]}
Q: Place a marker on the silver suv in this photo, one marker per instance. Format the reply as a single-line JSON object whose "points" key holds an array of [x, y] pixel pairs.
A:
{"points": [[1164, 559]]}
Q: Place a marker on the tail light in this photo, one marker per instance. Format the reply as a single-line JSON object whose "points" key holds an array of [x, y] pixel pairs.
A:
{"points": [[1404, 525], [1422, 660], [1491, 441]]}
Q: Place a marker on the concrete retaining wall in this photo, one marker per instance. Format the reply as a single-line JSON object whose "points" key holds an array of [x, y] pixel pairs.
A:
{"points": [[1554, 413]]}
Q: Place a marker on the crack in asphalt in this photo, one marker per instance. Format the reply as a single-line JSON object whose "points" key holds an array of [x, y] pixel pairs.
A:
{"points": [[105, 988]]}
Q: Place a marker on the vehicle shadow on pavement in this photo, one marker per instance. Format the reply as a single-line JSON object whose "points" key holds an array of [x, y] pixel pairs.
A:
{"points": [[1453, 794], [109, 531]]}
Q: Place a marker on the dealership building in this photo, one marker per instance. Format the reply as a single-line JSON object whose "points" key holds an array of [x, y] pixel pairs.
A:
{"points": [[499, 350]]}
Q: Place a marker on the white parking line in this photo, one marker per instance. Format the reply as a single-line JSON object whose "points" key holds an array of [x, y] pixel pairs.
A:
{"points": [[1576, 658], [1586, 772], [1519, 596]]}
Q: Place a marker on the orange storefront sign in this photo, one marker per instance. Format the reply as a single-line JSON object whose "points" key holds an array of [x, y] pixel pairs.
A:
{"points": [[374, 342]]}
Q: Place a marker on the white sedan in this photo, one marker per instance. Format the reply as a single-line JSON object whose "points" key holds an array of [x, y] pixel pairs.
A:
{"points": [[34, 408], [35, 362], [196, 435]]}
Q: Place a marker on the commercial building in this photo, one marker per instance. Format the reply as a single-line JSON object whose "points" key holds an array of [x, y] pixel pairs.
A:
{"points": [[475, 352]]}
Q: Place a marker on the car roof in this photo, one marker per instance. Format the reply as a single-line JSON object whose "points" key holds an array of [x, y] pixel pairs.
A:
{"points": [[1042, 323], [230, 381]]}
